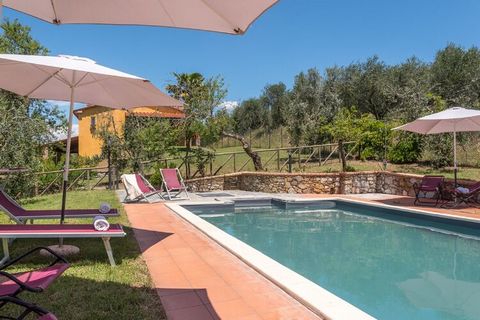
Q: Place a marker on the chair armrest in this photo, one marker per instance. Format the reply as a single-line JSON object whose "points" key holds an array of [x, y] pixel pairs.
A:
{"points": [[416, 187], [20, 283], [53, 253]]}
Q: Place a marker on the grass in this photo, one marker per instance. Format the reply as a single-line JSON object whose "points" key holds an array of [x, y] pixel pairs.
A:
{"points": [[90, 288]]}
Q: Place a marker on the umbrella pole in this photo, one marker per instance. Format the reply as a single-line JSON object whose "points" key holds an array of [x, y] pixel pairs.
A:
{"points": [[67, 157], [455, 156]]}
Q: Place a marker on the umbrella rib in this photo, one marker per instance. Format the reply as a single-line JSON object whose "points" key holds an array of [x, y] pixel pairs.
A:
{"points": [[76, 84], [167, 13], [235, 29], [104, 89], [50, 76], [55, 20]]}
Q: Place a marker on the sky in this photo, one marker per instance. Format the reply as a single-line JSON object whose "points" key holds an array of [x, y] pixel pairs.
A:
{"points": [[291, 37]]}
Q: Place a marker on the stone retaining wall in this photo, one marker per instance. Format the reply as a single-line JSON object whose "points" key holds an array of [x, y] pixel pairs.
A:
{"points": [[321, 183]]}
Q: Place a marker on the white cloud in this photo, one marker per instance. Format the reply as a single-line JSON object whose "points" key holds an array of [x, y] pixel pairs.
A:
{"points": [[229, 105], [60, 135]]}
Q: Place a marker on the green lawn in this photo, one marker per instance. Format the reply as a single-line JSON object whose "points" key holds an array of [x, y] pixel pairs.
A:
{"points": [[90, 288]]}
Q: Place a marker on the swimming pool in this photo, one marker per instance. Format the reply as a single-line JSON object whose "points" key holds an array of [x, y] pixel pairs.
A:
{"points": [[392, 264]]}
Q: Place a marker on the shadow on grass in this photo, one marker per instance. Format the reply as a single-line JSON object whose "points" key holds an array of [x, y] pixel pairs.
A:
{"points": [[79, 298]]}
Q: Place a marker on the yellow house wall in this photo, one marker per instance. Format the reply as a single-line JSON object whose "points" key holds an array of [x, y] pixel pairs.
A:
{"points": [[88, 144]]}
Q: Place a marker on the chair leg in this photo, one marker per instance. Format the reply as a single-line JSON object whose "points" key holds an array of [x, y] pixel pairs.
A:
{"points": [[108, 249], [6, 251]]}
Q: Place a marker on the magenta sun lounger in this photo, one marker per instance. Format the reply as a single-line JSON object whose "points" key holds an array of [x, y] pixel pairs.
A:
{"points": [[33, 281], [173, 181], [43, 231], [20, 215]]}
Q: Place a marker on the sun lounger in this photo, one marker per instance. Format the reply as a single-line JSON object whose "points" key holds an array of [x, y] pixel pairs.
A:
{"points": [[42, 231], [466, 196], [20, 215], [428, 185], [173, 182], [28, 308], [138, 188], [33, 281]]}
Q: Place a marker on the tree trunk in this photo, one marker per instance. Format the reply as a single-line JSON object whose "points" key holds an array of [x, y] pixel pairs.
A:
{"points": [[341, 152], [256, 159]]}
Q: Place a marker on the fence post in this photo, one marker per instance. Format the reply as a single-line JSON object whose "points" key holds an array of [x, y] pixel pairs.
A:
{"points": [[234, 163], [319, 156], [211, 166], [289, 160], [299, 157], [278, 160]]}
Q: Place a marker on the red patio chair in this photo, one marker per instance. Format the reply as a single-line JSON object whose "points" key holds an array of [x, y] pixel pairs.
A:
{"points": [[173, 181], [20, 215], [28, 308], [429, 184], [36, 280]]}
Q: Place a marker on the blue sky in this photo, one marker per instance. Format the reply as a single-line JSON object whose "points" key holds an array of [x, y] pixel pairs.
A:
{"points": [[293, 36]]}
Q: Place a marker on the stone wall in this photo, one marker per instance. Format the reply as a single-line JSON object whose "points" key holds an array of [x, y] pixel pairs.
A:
{"points": [[320, 183]]}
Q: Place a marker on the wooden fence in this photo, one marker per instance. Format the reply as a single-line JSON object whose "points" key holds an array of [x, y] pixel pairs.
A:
{"points": [[285, 159]]}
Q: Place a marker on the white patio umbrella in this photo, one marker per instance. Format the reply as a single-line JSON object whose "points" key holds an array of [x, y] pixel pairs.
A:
{"points": [[77, 79], [456, 119], [227, 16]]}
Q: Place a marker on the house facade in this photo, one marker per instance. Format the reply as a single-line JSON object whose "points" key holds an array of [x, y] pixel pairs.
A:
{"points": [[92, 118]]}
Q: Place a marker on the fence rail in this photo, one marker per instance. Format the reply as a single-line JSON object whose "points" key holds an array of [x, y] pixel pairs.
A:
{"points": [[276, 159]]}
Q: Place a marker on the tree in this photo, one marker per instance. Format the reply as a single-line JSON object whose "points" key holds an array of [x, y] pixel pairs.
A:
{"points": [[249, 115], [25, 124], [275, 101], [201, 97], [456, 75], [305, 108], [139, 139]]}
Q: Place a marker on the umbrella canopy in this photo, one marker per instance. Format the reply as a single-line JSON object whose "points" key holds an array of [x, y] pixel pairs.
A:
{"points": [[77, 79], [456, 119], [52, 78], [228, 16]]}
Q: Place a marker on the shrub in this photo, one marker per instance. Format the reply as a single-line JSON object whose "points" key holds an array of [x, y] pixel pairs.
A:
{"points": [[406, 150]]}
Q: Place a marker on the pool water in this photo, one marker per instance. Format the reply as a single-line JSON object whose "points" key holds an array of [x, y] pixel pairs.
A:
{"points": [[389, 265]]}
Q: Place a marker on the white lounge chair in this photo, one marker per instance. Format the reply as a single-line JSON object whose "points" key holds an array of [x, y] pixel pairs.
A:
{"points": [[138, 188]]}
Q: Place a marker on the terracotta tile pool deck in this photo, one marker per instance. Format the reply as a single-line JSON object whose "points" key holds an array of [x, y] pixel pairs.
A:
{"points": [[196, 278]]}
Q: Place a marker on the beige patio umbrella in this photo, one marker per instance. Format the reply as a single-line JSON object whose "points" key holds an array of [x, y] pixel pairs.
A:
{"points": [[227, 16], [76, 79]]}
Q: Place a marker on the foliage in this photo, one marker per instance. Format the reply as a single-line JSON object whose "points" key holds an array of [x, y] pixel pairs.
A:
{"points": [[250, 115], [406, 149], [140, 139], [201, 98], [25, 125]]}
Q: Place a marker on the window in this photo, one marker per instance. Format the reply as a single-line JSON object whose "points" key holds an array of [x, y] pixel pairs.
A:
{"points": [[93, 124]]}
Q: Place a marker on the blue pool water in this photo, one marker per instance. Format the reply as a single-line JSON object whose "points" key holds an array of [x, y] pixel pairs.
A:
{"points": [[391, 265]]}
